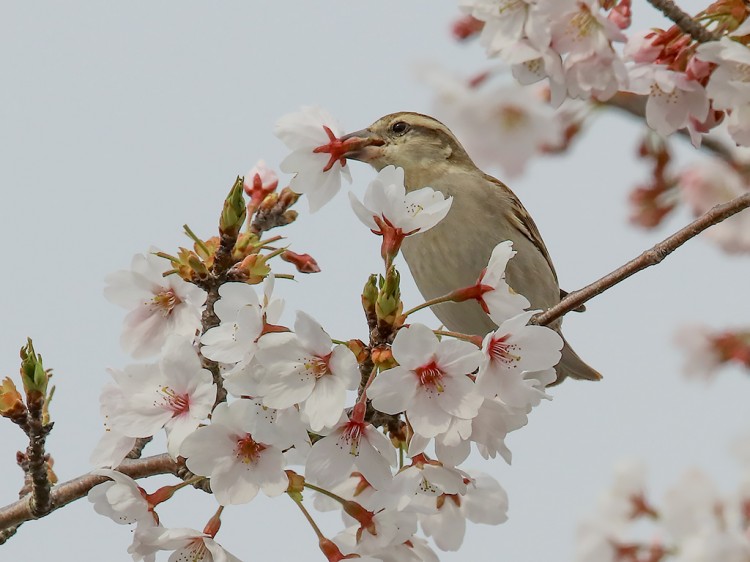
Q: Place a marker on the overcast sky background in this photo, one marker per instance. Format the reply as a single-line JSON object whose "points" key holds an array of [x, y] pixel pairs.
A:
{"points": [[120, 121]]}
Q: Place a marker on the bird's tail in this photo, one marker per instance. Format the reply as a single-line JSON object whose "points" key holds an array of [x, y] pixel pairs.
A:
{"points": [[574, 367]]}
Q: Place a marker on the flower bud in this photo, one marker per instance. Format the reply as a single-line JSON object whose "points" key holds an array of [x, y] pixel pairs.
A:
{"points": [[304, 263], [369, 298], [359, 349], [33, 375], [11, 401], [388, 306], [253, 270], [234, 211]]}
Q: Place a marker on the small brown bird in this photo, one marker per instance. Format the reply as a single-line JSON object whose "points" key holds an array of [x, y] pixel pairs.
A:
{"points": [[484, 212]]}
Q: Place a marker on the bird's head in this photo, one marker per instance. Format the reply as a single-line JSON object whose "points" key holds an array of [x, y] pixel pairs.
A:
{"points": [[419, 144]]}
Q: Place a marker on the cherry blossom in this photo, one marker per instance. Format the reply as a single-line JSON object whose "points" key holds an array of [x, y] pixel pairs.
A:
{"points": [[393, 213], [674, 100], [501, 124], [507, 22], [310, 133], [509, 351], [241, 325], [491, 290], [418, 484], [383, 529], [351, 443], [485, 502], [430, 383], [302, 369], [241, 451], [710, 183], [187, 544], [120, 499], [160, 306], [176, 394], [728, 85]]}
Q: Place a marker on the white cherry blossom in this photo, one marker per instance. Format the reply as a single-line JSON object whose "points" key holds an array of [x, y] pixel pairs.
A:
{"points": [[484, 502], [120, 498], [176, 394], [187, 544], [351, 443], [160, 306], [241, 451], [511, 350], [241, 324], [318, 173], [498, 299], [301, 368], [430, 383], [507, 22], [386, 199]]}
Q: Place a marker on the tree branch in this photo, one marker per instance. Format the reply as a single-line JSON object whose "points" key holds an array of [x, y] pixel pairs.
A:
{"points": [[683, 20], [646, 259], [16, 513]]}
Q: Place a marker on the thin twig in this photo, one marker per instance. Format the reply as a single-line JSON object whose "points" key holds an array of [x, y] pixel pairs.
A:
{"points": [[137, 450], [646, 259], [16, 513], [683, 20]]}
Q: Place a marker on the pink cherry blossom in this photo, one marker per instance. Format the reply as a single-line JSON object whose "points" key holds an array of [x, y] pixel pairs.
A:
{"points": [[711, 182], [430, 383], [160, 306], [674, 100]]}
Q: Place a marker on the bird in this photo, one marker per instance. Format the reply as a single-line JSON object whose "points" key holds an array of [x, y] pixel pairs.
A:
{"points": [[484, 213]]}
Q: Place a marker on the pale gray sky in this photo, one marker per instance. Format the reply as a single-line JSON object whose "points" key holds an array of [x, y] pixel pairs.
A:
{"points": [[122, 121]]}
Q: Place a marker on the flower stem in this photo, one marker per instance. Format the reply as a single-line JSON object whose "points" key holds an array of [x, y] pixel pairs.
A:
{"points": [[427, 304], [326, 493], [457, 335], [309, 518]]}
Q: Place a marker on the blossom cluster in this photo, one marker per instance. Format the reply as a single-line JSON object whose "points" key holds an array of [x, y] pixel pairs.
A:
{"points": [[588, 58], [692, 523], [254, 404]]}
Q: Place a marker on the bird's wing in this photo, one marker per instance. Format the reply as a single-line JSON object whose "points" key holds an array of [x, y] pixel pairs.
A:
{"points": [[520, 218]]}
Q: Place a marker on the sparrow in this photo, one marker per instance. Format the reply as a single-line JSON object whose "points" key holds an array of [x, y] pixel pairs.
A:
{"points": [[484, 213]]}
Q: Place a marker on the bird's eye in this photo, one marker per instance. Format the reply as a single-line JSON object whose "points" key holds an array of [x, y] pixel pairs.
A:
{"points": [[399, 127]]}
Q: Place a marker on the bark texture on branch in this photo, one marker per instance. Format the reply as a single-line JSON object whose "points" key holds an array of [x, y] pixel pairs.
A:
{"points": [[683, 20], [646, 259], [22, 510]]}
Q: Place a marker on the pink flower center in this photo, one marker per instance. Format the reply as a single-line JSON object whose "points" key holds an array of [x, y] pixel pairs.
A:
{"points": [[500, 350], [165, 301], [248, 449], [351, 435], [430, 375], [178, 403]]}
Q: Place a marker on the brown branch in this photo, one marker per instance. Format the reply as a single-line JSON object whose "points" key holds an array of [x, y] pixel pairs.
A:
{"points": [[36, 461], [646, 259], [16, 513], [683, 20]]}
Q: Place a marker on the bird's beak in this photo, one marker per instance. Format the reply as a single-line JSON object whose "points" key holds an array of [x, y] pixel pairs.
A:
{"points": [[363, 145]]}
